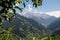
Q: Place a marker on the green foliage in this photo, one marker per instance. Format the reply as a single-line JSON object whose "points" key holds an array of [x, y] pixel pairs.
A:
{"points": [[0, 21], [8, 11], [37, 3], [10, 5], [7, 35]]}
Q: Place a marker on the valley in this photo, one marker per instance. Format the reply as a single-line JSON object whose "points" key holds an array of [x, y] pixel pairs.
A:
{"points": [[28, 27]]}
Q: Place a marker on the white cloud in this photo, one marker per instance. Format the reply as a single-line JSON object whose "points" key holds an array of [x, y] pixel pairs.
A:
{"points": [[31, 10], [54, 13]]}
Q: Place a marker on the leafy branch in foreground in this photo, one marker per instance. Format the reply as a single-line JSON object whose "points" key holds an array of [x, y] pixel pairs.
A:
{"points": [[8, 7], [7, 35], [8, 11]]}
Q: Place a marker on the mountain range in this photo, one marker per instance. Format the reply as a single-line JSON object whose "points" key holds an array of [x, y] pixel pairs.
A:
{"points": [[33, 24], [42, 18], [51, 23], [26, 27]]}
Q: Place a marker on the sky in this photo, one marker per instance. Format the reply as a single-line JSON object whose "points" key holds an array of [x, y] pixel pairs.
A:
{"points": [[47, 5], [50, 7]]}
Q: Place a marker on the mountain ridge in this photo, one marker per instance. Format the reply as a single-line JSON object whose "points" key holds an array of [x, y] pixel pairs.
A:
{"points": [[42, 18], [54, 25], [26, 26]]}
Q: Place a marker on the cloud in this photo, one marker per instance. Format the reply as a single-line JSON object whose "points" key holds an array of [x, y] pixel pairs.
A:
{"points": [[54, 13], [30, 9]]}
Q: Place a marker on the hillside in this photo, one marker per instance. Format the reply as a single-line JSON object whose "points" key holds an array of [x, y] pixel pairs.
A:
{"points": [[42, 18], [54, 25], [26, 27], [56, 32]]}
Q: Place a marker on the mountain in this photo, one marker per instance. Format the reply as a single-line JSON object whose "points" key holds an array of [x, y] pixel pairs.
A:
{"points": [[42, 18], [26, 27], [56, 32], [54, 25]]}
